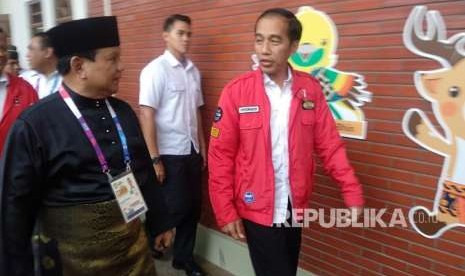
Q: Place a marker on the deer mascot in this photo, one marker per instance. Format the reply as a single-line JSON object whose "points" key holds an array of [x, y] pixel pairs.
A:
{"points": [[444, 88]]}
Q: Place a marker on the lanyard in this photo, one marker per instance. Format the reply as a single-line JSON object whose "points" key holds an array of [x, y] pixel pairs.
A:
{"points": [[90, 135]]}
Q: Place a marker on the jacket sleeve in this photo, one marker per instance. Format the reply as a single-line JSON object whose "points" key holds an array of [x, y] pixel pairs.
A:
{"points": [[331, 149], [21, 187], [224, 143]]}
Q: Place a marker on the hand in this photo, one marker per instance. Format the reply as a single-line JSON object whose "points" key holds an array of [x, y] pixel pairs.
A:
{"points": [[160, 172], [234, 229], [203, 153], [163, 240]]}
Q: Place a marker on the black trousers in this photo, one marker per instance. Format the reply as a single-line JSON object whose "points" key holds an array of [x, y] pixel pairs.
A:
{"points": [[274, 250], [183, 193]]}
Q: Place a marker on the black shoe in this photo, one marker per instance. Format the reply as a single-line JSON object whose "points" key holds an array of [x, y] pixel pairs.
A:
{"points": [[156, 254], [191, 268]]}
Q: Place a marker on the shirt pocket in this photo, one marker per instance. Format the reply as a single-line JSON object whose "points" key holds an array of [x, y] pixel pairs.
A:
{"points": [[306, 136], [250, 121], [308, 117], [250, 127], [177, 87]]}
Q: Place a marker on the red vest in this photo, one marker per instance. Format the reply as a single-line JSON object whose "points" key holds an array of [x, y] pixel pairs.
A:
{"points": [[20, 95]]}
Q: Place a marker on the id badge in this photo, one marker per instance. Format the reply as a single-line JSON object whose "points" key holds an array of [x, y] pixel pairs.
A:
{"points": [[128, 196]]}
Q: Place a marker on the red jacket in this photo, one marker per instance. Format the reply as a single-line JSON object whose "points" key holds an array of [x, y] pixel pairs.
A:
{"points": [[20, 95], [241, 175]]}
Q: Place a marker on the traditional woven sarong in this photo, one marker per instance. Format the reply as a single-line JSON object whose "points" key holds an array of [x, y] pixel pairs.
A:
{"points": [[452, 204], [93, 239]]}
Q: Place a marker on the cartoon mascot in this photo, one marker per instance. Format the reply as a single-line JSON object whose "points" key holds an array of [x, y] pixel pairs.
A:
{"points": [[444, 88], [345, 92]]}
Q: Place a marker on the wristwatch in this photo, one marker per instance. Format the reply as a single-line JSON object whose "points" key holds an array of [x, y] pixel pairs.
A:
{"points": [[156, 160]]}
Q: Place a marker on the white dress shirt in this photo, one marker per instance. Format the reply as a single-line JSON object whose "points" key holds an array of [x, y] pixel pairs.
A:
{"points": [[42, 84], [280, 101], [173, 90], [3, 91]]}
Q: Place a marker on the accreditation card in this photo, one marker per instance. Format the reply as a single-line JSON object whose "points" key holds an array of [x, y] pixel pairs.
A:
{"points": [[128, 196]]}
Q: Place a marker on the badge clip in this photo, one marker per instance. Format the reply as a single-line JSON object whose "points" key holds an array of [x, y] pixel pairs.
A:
{"points": [[308, 105]]}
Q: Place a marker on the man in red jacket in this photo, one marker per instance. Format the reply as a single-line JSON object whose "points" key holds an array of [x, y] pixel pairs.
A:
{"points": [[268, 125], [15, 95]]}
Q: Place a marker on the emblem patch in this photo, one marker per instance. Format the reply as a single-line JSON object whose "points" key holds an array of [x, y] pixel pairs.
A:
{"points": [[249, 197], [249, 109], [308, 105], [17, 101], [218, 114], [215, 132]]}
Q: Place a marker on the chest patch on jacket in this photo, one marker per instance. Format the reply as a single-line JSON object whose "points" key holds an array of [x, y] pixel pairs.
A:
{"points": [[308, 105], [249, 109]]}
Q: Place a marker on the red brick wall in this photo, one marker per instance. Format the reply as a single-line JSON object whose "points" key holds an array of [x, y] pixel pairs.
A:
{"points": [[394, 171], [95, 7]]}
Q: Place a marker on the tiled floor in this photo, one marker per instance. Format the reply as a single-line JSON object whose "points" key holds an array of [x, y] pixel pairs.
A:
{"points": [[164, 268]]}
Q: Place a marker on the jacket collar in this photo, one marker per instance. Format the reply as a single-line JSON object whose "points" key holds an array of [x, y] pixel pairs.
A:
{"points": [[4, 78], [83, 102], [296, 88], [267, 80], [299, 93], [174, 62], [12, 93]]}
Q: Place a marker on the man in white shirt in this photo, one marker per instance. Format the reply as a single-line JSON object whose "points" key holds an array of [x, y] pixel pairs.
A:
{"points": [[43, 75], [170, 98]]}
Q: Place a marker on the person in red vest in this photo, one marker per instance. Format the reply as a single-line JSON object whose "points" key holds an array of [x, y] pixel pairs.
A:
{"points": [[15, 95]]}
